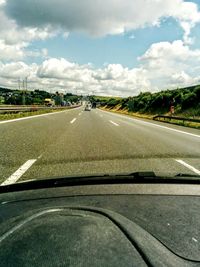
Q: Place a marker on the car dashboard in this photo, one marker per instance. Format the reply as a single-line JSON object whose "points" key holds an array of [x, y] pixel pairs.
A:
{"points": [[140, 224]]}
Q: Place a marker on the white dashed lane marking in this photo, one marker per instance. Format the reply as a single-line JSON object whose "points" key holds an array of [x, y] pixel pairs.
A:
{"points": [[114, 123], [150, 124], [72, 121]]}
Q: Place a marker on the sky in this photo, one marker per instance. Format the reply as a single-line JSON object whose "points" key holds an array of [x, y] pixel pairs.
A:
{"points": [[112, 47]]}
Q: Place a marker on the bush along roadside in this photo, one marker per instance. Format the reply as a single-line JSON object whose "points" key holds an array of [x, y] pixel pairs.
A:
{"points": [[183, 103]]}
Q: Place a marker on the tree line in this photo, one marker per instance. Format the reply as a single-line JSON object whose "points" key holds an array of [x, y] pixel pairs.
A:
{"points": [[36, 97], [181, 99]]}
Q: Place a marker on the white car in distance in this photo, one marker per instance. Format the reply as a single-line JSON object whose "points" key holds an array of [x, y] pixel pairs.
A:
{"points": [[88, 107]]}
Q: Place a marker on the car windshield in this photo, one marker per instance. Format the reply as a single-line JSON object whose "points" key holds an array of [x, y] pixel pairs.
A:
{"points": [[99, 87]]}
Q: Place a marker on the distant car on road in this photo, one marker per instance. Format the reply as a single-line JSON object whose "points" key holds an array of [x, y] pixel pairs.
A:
{"points": [[49, 102], [88, 107]]}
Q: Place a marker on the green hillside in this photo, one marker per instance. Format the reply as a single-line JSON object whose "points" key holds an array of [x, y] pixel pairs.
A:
{"points": [[186, 102]]}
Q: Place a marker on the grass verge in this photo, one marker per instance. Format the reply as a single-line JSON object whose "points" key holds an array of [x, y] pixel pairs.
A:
{"points": [[150, 117], [126, 112], [181, 123], [11, 116]]}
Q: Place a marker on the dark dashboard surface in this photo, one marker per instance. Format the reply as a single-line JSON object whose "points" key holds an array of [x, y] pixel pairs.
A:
{"points": [[50, 227]]}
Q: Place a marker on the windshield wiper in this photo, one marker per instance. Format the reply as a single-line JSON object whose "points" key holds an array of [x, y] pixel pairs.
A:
{"points": [[136, 177], [187, 175]]}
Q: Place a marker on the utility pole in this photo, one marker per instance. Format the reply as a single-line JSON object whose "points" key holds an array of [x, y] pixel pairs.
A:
{"points": [[26, 82], [19, 84], [23, 94]]}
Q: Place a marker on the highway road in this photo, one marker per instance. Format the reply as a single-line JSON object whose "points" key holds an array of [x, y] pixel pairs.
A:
{"points": [[94, 142]]}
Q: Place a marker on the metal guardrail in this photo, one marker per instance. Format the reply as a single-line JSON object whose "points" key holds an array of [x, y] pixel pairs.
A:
{"points": [[9, 110], [157, 117], [19, 109]]}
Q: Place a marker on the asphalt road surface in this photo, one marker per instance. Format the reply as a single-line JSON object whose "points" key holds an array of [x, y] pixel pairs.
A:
{"points": [[94, 142]]}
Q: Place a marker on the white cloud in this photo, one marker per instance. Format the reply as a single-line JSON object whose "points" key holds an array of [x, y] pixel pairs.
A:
{"points": [[12, 34], [19, 51], [187, 28], [14, 40], [171, 64], [163, 65], [112, 71], [181, 78], [59, 74], [55, 68], [17, 70], [164, 59], [25, 21], [11, 52], [11, 73], [100, 17]]}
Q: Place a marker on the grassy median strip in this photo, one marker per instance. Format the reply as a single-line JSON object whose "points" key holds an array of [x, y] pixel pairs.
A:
{"points": [[10, 116]]}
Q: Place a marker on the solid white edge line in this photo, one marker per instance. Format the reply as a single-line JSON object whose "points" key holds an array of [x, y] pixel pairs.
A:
{"points": [[188, 166], [16, 175], [72, 121], [152, 124], [114, 123], [36, 116], [31, 117]]}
